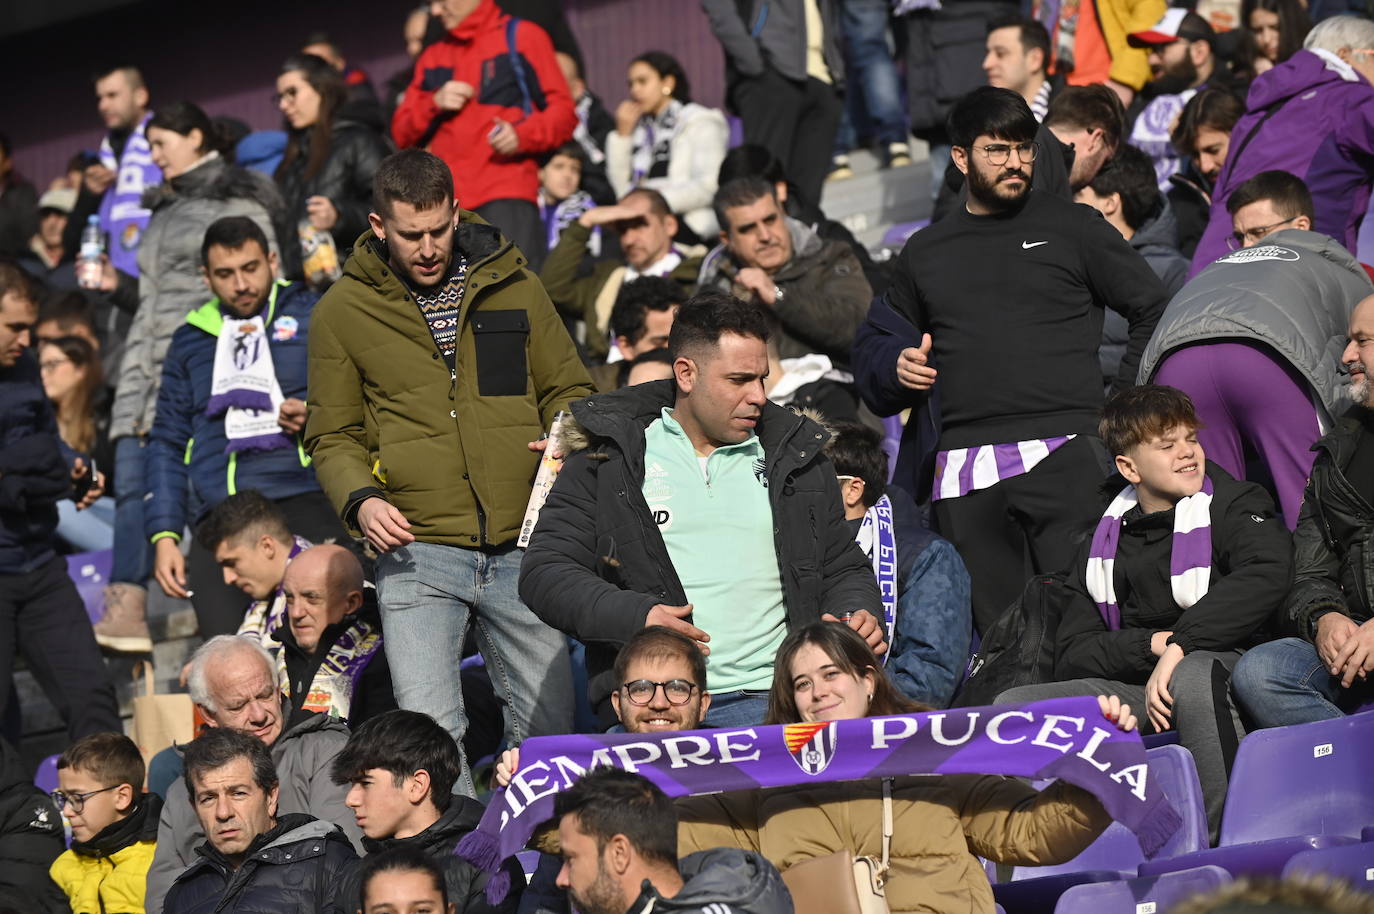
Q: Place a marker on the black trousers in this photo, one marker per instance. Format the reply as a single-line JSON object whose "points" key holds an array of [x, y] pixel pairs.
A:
{"points": [[1029, 524], [794, 121], [220, 607], [519, 220], [42, 617]]}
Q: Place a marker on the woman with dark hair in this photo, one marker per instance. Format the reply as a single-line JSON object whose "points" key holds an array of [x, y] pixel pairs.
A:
{"points": [[198, 187], [665, 141], [73, 381], [826, 671], [1271, 32], [326, 173]]}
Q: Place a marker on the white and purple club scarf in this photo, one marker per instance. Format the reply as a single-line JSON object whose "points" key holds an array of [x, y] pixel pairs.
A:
{"points": [[877, 537], [968, 469], [244, 385], [1190, 565], [1065, 738]]}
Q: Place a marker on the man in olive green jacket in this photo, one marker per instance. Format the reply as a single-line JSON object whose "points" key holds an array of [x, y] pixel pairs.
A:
{"points": [[436, 362]]}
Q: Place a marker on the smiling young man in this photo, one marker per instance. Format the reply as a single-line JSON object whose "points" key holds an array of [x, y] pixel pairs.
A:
{"points": [[435, 363], [722, 514], [1183, 571], [400, 768], [1006, 297]]}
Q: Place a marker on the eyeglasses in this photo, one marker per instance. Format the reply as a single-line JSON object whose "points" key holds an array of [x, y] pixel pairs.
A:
{"points": [[1254, 235], [642, 691], [51, 364], [1000, 153], [77, 801]]}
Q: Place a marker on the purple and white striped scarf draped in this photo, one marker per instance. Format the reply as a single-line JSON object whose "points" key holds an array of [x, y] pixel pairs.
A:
{"points": [[1063, 738], [968, 469], [1190, 564]]}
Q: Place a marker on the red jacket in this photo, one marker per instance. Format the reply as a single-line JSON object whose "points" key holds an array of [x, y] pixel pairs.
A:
{"points": [[476, 52]]}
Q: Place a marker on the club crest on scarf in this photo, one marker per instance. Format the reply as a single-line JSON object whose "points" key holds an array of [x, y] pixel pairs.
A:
{"points": [[247, 345], [811, 746]]}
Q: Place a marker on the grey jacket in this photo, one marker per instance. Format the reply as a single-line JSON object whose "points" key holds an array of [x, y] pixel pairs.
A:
{"points": [[719, 880], [772, 33], [302, 756], [169, 283], [1157, 241], [825, 294], [1294, 293]]}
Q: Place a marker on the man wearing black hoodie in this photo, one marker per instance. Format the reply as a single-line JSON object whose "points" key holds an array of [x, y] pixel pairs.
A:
{"points": [[401, 767]]}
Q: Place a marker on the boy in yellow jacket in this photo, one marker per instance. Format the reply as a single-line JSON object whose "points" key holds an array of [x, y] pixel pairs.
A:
{"points": [[114, 825]]}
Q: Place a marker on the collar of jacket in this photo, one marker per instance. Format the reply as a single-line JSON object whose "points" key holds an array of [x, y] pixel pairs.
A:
{"points": [[267, 847], [462, 816], [1340, 442], [491, 259], [210, 318], [139, 825], [789, 440], [482, 19]]}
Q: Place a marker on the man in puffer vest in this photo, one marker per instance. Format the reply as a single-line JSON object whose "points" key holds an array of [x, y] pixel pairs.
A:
{"points": [[114, 825]]}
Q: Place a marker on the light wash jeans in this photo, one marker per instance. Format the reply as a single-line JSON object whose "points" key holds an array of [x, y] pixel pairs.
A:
{"points": [[1285, 682], [88, 530], [428, 596], [740, 708]]}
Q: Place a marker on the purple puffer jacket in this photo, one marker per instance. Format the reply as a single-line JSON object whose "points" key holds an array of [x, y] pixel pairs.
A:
{"points": [[1323, 132]]}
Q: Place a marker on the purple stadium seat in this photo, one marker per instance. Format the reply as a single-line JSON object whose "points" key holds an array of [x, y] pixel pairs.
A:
{"points": [[1155, 740], [897, 235], [1116, 853], [1156, 895], [1292, 789], [1353, 863], [45, 778], [90, 572]]}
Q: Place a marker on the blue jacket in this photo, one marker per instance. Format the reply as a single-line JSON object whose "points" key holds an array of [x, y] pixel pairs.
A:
{"points": [[34, 469], [184, 441]]}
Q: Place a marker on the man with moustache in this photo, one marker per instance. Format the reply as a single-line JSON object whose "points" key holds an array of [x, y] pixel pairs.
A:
{"points": [[1323, 672], [1006, 296]]}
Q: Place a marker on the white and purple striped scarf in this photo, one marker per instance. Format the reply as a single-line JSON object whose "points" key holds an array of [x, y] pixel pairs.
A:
{"points": [[968, 469], [1190, 565]]}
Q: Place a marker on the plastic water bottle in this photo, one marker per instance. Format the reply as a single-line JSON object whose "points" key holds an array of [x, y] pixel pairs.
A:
{"points": [[90, 266]]}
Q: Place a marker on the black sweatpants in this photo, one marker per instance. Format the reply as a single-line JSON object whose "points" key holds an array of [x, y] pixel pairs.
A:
{"points": [[220, 607], [520, 221], [796, 121], [1029, 524], [42, 617]]}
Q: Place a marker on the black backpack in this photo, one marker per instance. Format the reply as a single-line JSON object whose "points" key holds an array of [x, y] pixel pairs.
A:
{"points": [[1017, 649]]}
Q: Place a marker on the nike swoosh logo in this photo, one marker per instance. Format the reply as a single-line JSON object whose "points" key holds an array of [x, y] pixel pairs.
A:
{"points": [[1027, 245]]}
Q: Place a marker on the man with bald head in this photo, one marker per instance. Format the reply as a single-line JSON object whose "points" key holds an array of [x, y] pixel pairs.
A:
{"points": [[1324, 673], [235, 683], [330, 660]]}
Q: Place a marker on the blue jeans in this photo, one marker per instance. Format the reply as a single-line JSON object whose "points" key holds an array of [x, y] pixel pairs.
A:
{"points": [[133, 555], [88, 530], [929, 649], [1285, 682], [740, 708], [874, 99], [428, 594]]}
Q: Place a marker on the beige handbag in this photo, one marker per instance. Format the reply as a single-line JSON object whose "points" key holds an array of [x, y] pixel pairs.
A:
{"points": [[841, 883], [160, 720]]}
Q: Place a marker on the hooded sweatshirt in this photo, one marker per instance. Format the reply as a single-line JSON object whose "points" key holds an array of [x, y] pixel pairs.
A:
{"points": [[721, 879]]}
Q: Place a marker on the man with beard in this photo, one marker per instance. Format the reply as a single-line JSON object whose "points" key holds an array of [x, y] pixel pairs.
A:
{"points": [[1324, 672], [1014, 286], [618, 833], [1182, 61], [1203, 137]]}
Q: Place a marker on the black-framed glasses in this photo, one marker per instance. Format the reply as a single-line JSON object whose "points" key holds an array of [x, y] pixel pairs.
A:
{"points": [[1000, 153], [77, 801], [642, 691], [1255, 235]]}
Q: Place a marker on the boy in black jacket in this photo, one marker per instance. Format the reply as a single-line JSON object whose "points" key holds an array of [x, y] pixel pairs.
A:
{"points": [[1181, 573]]}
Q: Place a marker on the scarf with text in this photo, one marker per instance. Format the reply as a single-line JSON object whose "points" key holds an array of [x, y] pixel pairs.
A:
{"points": [[1190, 565], [123, 217], [1065, 738], [878, 539]]}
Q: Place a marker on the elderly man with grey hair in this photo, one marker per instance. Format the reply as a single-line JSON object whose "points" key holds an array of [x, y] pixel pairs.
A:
{"points": [[233, 681], [1311, 116]]}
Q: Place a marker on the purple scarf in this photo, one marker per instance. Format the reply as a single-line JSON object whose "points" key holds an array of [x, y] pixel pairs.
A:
{"points": [[123, 217], [1060, 738]]}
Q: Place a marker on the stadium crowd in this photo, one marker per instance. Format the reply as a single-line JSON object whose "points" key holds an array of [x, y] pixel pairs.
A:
{"points": [[1118, 392]]}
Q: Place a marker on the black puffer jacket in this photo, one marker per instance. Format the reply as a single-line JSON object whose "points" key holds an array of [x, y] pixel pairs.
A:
{"points": [[30, 840], [33, 473], [1333, 546], [466, 883], [355, 151], [293, 867], [597, 563]]}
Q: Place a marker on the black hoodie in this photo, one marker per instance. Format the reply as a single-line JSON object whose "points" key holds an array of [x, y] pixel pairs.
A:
{"points": [[30, 840], [466, 884]]}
